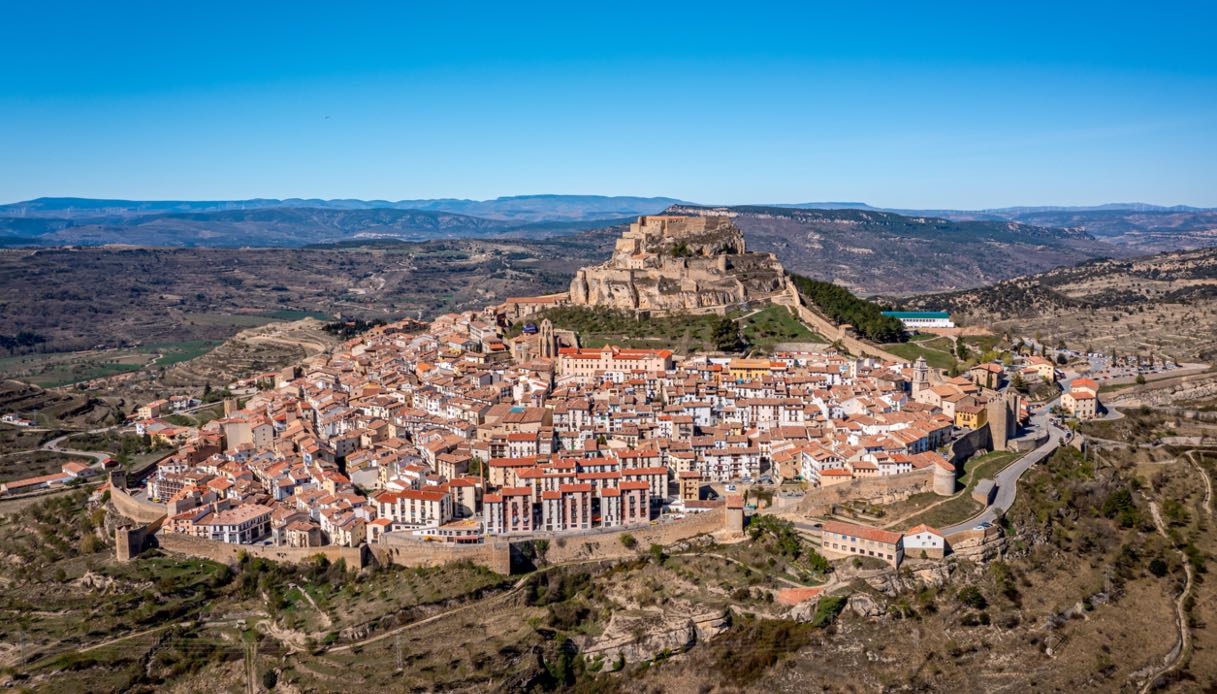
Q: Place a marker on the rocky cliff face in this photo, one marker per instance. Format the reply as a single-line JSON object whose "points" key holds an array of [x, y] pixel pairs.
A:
{"points": [[672, 263]]}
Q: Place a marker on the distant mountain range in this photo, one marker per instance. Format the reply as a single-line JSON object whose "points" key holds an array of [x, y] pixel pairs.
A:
{"points": [[839, 233], [296, 222], [518, 208]]}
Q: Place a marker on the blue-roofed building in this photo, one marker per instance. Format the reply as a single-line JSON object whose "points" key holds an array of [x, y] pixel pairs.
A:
{"points": [[922, 319]]}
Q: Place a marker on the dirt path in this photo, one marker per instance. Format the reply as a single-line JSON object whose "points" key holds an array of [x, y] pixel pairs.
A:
{"points": [[324, 616], [1177, 655], [1208, 482], [137, 634]]}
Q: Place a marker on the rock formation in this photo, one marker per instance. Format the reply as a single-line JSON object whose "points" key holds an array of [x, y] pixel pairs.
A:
{"points": [[671, 263]]}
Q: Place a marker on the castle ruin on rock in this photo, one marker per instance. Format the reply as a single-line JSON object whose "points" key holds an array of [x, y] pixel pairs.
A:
{"points": [[670, 263]]}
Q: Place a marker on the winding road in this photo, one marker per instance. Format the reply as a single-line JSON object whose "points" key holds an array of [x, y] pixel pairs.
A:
{"points": [[53, 446], [1007, 479]]}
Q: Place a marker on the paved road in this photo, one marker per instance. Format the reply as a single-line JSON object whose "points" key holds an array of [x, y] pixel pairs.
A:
{"points": [[53, 445], [1007, 479]]}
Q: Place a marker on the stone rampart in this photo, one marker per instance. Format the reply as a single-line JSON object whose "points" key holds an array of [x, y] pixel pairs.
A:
{"points": [[833, 332], [137, 510], [968, 445], [876, 490], [224, 552], [576, 547], [494, 555]]}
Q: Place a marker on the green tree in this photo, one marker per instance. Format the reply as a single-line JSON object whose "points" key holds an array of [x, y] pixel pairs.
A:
{"points": [[726, 336], [839, 304]]}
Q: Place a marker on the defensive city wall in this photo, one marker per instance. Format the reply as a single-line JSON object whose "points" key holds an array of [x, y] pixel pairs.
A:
{"points": [[876, 490], [355, 557], [609, 545], [137, 510], [831, 330], [494, 554]]}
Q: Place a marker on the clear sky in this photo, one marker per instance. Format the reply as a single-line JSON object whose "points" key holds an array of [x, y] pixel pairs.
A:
{"points": [[967, 105]]}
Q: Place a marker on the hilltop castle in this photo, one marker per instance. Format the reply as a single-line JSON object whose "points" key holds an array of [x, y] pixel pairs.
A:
{"points": [[671, 263]]}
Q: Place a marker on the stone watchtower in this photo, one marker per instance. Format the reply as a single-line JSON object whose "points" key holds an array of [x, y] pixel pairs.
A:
{"points": [[118, 478], [1000, 411], [921, 376], [733, 520], [944, 479]]}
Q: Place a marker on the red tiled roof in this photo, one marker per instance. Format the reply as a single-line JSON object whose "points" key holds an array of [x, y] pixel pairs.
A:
{"points": [[863, 531]]}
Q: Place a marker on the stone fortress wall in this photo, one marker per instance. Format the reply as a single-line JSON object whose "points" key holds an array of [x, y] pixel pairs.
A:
{"points": [[355, 557], [494, 554], [609, 545], [876, 490], [137, 510]]}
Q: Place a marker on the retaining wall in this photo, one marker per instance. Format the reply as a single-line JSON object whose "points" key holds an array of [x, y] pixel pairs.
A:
{"points": [[973, 537]]}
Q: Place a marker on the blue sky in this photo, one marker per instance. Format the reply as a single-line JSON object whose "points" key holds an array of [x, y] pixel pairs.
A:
{"points": [[964, 105]]}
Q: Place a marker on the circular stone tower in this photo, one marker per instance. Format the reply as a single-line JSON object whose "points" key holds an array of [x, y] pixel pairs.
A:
{"points": [[944, 479]]}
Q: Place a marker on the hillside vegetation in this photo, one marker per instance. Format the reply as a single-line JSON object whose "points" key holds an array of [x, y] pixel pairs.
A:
{"points": [[86, 298], [839, 304], [873, 252], [1161, 303]]}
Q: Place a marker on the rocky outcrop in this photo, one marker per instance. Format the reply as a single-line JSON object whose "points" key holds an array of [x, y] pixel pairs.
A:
{"points": [[638, 635], [866, 606], [670, 263], [893, 583]]}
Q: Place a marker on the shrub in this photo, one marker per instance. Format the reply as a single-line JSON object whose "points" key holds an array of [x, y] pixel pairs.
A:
{"points": [[658, 554], [827, 610], [629, 541], [972, 597], [1158, 567]]}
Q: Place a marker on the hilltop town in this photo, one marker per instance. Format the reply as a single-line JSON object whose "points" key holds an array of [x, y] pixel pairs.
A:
{"points": [[459, 434]]}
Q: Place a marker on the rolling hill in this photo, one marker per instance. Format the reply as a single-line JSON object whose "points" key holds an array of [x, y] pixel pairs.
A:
{"points": [[1165, 303], [875, 252]]}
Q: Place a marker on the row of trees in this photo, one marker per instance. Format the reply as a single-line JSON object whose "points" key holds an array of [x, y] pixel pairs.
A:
{"points": [[351, 328], [22, 341], [839, 304]]}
